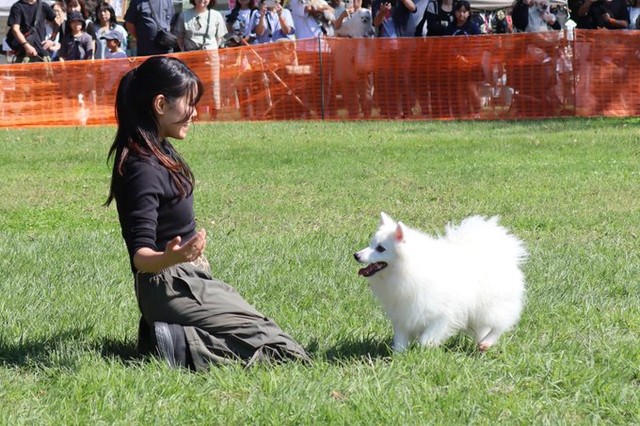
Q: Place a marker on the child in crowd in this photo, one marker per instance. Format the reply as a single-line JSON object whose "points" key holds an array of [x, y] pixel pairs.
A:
{"points": [[76, 44], [114, 43], [462, 22], [463, 96], [105, 22]]}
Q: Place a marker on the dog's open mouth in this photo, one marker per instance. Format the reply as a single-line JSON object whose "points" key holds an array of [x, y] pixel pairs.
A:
{"points": [[371, 269]]}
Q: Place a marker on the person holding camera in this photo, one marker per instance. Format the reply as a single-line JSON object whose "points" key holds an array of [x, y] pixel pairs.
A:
{"points": [[534, 16], [603, 14], [394, 89], [273, 22], [145, 21], [353, 65], [239, 22]]}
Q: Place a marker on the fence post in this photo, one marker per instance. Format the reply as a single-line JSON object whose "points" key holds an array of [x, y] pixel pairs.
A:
{"points": [[322, 100]]}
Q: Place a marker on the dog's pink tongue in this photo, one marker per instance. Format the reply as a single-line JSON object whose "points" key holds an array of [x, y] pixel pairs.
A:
{"points": [[372, 269]]}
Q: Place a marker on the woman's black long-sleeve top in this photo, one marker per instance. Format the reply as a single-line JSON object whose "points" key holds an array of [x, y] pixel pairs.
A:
{"points": [[150, 210]]}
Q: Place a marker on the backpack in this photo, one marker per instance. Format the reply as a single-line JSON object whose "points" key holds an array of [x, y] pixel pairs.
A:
{"points": [[422, 29]]}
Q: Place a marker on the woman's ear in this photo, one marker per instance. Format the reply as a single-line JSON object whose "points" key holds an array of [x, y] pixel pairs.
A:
{"points": [[159, 103]]}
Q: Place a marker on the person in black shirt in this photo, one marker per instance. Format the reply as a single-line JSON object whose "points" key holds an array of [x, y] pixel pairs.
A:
{"points": [[601, 14], [27, 20], [196, 319]]}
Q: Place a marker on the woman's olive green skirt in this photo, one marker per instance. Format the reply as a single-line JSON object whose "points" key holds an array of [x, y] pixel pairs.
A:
{"points": [[219, 325]]}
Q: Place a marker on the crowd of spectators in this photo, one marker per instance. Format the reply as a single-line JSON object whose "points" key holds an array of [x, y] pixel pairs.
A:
{"points": [[41, 31], [77, 30], [350, 76], [48, 23]]}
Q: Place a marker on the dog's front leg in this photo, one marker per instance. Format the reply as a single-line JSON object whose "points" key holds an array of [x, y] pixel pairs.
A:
{"points": [[436, 333], [400, 340]]}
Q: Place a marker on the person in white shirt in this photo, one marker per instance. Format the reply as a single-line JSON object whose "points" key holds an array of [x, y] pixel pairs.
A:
{"points": [[203, 28], [307, 18], [304, 15]]}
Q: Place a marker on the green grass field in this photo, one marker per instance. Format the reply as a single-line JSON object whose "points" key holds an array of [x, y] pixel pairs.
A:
{"points": [[285, 205]]}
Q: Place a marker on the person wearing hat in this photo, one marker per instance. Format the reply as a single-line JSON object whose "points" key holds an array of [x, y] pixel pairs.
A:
{"points": [[76, 44], [114, 42], [105, 21]]}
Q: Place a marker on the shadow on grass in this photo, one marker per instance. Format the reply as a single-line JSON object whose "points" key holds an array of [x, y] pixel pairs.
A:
{"points": [[41, 351], [49, 351], [58, 350], [124, 350], [373, 348], [353, 349]]}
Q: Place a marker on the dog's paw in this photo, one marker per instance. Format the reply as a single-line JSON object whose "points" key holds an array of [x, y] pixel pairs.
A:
{"points": [[400, 344], [484, 346]]}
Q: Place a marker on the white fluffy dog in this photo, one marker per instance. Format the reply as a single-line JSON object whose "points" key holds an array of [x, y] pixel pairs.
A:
{"points": [[432, 288], [360, 25]]}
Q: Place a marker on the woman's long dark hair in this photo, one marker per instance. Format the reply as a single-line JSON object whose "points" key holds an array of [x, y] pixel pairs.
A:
{"points": [[112, 18], [137, 132]]}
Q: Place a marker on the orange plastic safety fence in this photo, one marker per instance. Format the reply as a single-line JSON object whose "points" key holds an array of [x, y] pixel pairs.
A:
{"points": [[483, 77]]}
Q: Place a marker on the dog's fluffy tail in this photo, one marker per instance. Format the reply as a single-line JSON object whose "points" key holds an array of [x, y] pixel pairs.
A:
{"points": [[488, 237]]}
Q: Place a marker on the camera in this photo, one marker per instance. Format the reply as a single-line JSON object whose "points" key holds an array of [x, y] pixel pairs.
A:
{"points": [[270, 3]]}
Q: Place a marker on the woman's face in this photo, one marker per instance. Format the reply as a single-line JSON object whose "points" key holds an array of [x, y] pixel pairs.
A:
{"points": [[171, 117], [105, 15], [244, 4], [201, 4]]}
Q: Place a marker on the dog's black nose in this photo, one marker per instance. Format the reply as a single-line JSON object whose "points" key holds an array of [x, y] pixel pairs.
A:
{"points": [[356, 256]]}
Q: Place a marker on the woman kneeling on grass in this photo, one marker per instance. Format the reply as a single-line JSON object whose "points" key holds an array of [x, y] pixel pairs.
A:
{"points": [[196, 319]]}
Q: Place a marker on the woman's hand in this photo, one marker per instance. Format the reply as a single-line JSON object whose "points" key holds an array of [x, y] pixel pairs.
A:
{"points": [[189, 251], [149, 260], [30, 51]]}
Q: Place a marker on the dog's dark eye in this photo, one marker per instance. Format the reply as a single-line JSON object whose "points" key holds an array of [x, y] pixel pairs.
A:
{"points": [[380, 249]]}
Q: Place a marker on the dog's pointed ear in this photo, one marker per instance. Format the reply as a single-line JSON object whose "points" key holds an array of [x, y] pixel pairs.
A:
{"points": [[400, 231], [385, 219]]}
